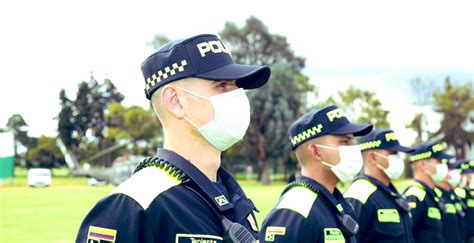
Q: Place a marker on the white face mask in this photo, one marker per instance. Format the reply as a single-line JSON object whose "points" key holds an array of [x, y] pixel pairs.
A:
{"points": [[463, 182], [471, 182], [350, 162], [440, 174], [455, 177], [396, 166], [231, 118]]}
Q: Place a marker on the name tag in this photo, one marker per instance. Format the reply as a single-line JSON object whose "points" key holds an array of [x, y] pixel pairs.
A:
{"points": [[333, 235], [388, 216], [198, 238]]}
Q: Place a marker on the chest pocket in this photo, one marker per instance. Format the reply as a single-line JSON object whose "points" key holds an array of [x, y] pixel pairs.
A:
{"points": [[389, 222], [433, 218]]}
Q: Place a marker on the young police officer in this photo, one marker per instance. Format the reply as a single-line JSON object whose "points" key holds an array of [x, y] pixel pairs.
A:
{"points": [[382, 213], [311, 209], [454, 213], [184, 194], [426, 207], [465, 192]]}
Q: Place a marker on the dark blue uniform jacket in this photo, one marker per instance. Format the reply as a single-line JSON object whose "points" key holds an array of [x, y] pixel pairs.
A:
{"points": [[158, 204]]}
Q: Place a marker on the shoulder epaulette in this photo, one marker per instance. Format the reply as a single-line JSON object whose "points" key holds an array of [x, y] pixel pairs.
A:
{"points": [[152, 177], [361, 190], [298, 197]]}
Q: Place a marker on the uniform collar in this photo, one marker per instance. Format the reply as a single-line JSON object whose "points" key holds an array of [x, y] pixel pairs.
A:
{"points": [[430, 191], [336, 198], [201, 180], [389, 189]]}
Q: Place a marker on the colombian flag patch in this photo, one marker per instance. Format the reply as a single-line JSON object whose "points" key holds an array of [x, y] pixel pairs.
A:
{"points": [[101, 234]]}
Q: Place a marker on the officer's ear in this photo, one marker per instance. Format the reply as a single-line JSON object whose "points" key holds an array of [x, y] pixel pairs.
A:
{"points": [[422, 164], [314, 151], [172, 102], [370, 155]]}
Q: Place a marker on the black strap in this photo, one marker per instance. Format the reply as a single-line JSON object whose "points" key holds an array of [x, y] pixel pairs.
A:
{"points": [[401, 202], [234, 232], [195, 175]]}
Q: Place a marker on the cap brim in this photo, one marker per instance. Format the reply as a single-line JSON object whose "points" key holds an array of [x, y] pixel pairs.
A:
{"points": [[400, 148], [443, 155], [246, 76], [355, 129]]}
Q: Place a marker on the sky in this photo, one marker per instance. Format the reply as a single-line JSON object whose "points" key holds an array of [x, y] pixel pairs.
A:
{"points": [[47, 46]]}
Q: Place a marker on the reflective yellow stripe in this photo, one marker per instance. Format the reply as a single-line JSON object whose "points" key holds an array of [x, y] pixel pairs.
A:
{"points": [[298, 199], [460, 192], [470, 203], [272, 231], [417, 192], [434, 213], [388, 215], [333, 235], [438, 192], [450, 208], [361, 190]]}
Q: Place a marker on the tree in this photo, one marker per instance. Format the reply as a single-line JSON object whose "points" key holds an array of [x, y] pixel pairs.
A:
{"points": [[423, 98], [134, 124], [277, 104], [456, 104], [364, 107], [254, 44], [19, 127], [417, 124], [82, 121], [66, 121], [158, 41], [45, 154]]}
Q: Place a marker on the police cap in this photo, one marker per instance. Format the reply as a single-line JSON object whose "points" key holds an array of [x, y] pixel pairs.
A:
{"points": [[202, 56], [326, 121], [382, 139], [429, 150]]}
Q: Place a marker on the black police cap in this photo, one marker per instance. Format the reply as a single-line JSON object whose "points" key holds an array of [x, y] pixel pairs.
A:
{"points": [[382, 139], [454, 165], [467, 166], [429, 150], [202, 56], [326, 121]]}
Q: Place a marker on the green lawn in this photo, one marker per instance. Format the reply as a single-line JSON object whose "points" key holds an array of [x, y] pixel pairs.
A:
{"points": [[53, 214]]}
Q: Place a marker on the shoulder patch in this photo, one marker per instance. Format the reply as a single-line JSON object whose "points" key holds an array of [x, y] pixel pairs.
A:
{"points": [[460, 192], [145, 185], [298, 199], [417, 192], [361, 190]]}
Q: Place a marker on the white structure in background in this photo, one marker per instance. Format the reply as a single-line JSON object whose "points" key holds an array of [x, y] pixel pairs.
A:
{"points": [[7, 156]]}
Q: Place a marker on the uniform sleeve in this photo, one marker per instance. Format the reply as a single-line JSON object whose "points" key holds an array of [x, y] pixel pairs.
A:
{"points": [[284, 225], [417, 207], [116, 218], [363, 213]]}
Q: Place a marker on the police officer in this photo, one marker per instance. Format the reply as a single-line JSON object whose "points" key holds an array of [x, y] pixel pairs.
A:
{"points": [[465, 192], [454, 213], [311, 209], [426, 207], [183, 194], [382, 213]]}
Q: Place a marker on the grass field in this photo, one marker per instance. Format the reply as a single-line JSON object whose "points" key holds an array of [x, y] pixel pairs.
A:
{"points": [[54, 214]]}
